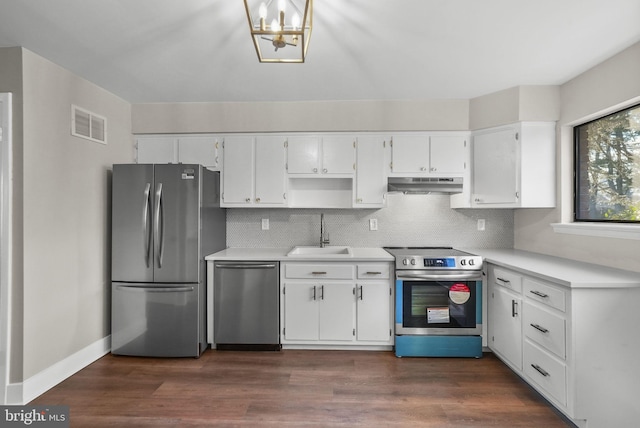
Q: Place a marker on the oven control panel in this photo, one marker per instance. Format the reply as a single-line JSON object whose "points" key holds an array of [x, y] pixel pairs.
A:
{"points": [[440, 263]]}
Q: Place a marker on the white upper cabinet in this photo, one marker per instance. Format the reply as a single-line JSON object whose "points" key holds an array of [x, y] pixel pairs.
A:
{"points": [[326, 155], [371, 182], [447, 154], [513, 167], [157, 150], [270, 168], [338, 155], [434, 155], [410, 155], [303, 155], [202, 150], [254, 173]]}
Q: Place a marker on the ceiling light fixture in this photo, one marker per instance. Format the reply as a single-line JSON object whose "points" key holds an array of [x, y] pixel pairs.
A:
{"points": [[280, 29]]}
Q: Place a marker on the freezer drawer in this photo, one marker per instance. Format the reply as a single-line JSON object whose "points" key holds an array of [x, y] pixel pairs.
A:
{"points": [[246, 304], [155, 320]]}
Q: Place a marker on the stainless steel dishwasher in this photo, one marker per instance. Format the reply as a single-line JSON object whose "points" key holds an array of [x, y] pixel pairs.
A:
{"points": [[246, 305]]}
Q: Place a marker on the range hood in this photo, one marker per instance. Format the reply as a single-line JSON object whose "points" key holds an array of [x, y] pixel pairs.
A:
{"points": [[425, 185]]}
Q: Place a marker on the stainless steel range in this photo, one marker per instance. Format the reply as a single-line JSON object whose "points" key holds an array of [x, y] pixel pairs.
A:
{"points": [[438, 302]]}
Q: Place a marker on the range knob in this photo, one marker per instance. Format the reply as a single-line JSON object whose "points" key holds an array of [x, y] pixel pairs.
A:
{"points": [[405, 262], [463, 262], [413, 262], [472, 262]]}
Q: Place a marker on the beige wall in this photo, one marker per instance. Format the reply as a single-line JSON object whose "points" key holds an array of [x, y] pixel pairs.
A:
{"points": [[608, 86], [66, 213], [442, 115], [522, 103]]}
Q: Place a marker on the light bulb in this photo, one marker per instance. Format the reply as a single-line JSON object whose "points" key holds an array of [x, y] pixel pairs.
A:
{"points": [[295, 21], [282, 5], [263, 10], [274, 25]]}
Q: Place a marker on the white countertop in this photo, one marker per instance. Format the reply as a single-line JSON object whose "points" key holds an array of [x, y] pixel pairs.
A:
{"points": [[280, 254], [569, 273]]}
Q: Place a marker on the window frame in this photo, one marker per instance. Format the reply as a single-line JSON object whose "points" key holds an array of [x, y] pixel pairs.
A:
{"points": [[577, 176]]}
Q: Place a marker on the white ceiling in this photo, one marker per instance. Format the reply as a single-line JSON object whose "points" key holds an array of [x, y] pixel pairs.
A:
{"points": [[201, 51]]}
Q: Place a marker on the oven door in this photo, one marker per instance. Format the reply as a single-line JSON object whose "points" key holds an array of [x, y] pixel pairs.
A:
{"points": [[439, 304]]}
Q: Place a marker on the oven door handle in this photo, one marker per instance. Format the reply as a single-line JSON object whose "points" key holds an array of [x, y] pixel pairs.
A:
{"points": [[445, 277]]}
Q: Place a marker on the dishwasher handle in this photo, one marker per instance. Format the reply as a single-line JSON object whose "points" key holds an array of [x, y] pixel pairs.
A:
{"points": [[246, 266]]}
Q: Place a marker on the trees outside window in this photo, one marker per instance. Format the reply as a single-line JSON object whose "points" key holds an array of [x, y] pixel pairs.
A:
{"points": [[607, 168]]}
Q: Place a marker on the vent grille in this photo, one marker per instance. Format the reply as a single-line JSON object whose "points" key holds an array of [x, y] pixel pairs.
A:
{"points": [[88, 125]]}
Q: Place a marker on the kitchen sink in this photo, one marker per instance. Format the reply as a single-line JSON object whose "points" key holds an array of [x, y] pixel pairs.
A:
{"points": [[320, 252]]}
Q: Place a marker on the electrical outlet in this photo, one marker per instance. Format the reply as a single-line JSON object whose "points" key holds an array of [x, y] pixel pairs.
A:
{"points": [[481, 224], [265, 224], [373, 224]]}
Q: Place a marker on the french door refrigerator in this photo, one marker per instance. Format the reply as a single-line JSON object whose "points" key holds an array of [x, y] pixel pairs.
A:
{"points": [[165, 219]]}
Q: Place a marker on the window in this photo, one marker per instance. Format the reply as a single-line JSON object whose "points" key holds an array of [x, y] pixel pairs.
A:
{"points": [[607, 168]]}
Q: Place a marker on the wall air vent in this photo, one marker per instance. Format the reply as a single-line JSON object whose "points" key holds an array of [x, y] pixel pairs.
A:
{"points": [[87, 125]]}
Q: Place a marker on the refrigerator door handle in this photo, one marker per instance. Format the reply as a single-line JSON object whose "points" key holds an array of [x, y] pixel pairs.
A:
{"points": [[146, 233], [159, 224], [152, 289]]}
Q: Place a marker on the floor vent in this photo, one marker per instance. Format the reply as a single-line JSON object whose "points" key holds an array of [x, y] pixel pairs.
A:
{"points": [[87, 125]]}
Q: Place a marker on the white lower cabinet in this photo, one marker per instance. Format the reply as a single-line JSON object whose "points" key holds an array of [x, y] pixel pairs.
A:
{"points": [[546, 371], [374, 311], [505, 324], [332, 304], [528, 330]]}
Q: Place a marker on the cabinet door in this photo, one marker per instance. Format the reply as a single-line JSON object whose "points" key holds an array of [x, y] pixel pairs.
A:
{"points": [[373, 311], [410, 154], [238, 171], [303, 155], [157, 150], [505, 325], [270, 177], [337, 310], [447, 155], [371, 184], [301, 311], [199, 150], [495, 168], [338, 155]]}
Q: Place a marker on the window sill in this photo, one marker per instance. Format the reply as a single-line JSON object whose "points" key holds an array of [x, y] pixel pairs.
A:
{"points": [[621, 231]]}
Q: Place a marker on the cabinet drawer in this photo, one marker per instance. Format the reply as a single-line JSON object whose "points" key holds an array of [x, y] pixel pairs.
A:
{"points": [[319, 271], [545, 328], [373, 271], [508, 279], [545, 293], [545, 371]]}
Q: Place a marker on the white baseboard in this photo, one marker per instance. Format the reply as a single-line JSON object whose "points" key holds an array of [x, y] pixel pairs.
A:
{"points": [[23, 393]]}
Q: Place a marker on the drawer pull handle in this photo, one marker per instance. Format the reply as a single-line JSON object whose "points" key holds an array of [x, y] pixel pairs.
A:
{"points": [[540, 370], [539, 294], [542, 329], [504, 281], [374, 273], [318, 273], [514, 308]]}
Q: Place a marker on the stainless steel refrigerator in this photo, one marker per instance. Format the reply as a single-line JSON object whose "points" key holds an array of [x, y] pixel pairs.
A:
{"points": [[165, 220]]}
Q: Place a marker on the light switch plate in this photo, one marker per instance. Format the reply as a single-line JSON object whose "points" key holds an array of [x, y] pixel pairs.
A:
{"points": [[481, 224], [373, 224], [265, 224]]}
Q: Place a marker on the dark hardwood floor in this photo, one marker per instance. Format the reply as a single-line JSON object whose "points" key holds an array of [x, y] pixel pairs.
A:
{"points": [[300, 388]]}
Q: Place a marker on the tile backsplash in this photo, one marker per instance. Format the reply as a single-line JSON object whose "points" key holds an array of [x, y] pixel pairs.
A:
{"points": [[407, 220]]}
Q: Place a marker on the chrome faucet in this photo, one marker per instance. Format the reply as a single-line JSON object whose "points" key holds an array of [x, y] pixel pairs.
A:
{"points": [[324, 235]]}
